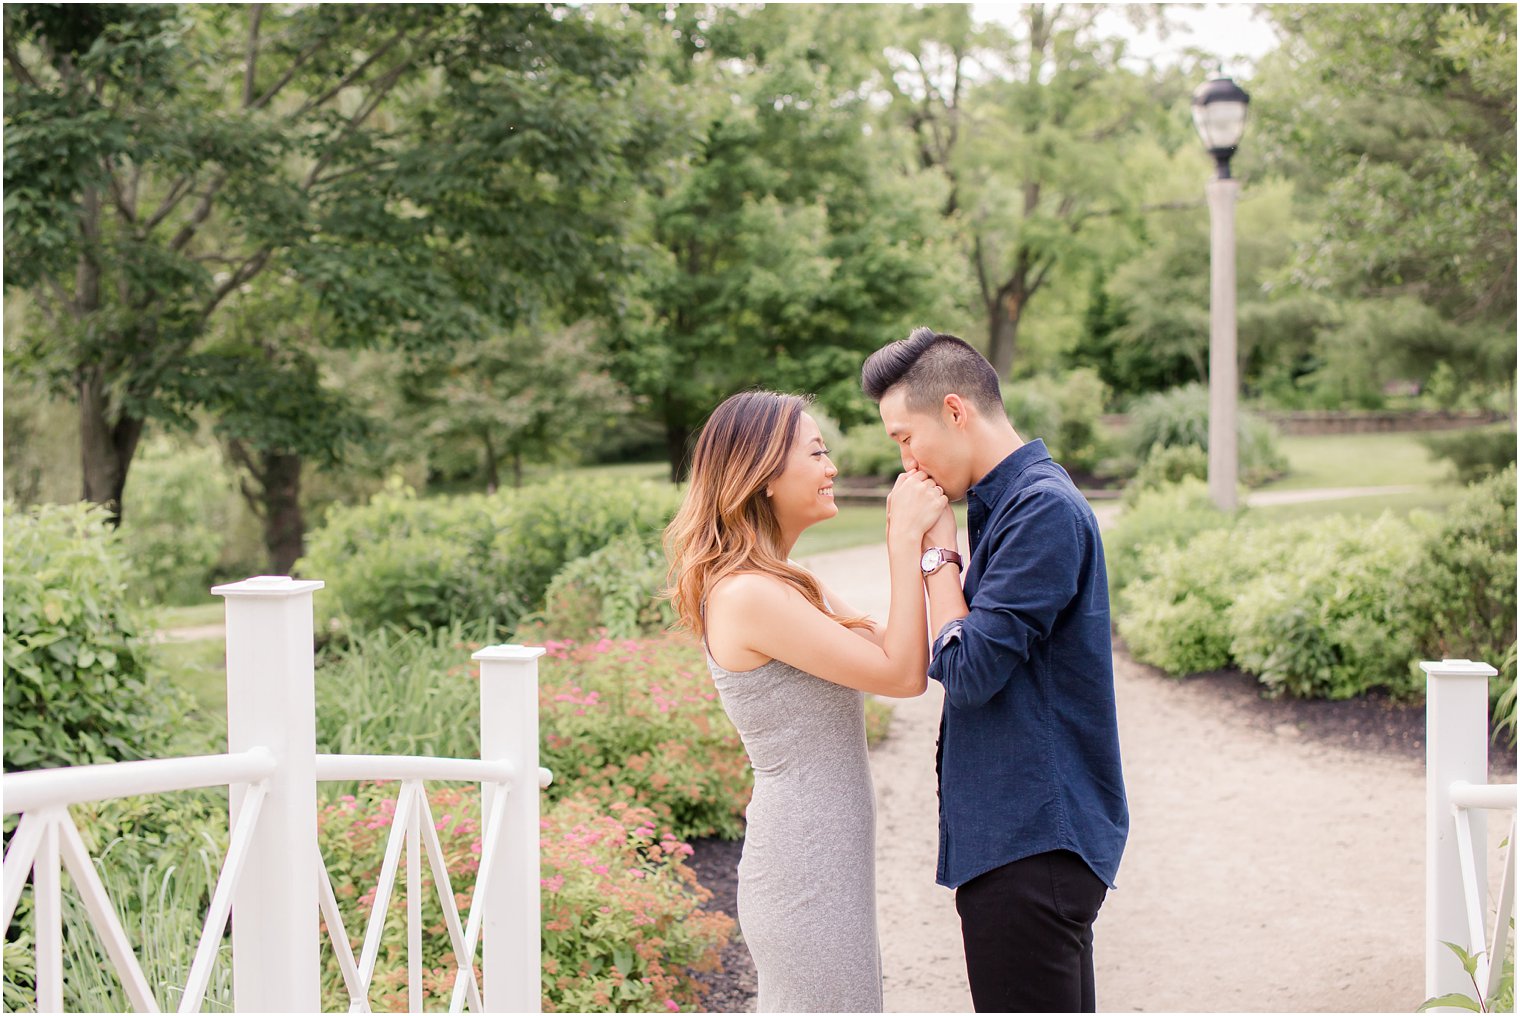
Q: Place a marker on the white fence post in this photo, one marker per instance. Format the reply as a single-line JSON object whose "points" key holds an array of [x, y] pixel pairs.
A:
{"points": [[271, 702], [1456, 748], [511, 934]]}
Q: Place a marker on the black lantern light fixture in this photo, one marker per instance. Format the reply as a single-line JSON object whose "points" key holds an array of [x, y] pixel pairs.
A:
{"points": [[1219, 113]]}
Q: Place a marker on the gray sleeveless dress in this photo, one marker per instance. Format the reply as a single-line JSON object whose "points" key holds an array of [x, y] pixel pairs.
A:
{"points": [[807, 877]]}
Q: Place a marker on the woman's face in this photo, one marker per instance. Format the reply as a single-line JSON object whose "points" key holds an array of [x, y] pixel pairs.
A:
{"points": [[804, 492]]}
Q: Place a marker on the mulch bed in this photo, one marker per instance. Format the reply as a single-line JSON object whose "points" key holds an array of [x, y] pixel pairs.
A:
{"points": [[1374, 723], [732, 987]]}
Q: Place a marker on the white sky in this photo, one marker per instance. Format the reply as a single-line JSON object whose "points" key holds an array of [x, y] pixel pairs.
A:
{"points": [[1233, 32]]}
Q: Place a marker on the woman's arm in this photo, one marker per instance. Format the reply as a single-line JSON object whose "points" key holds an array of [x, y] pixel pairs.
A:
{"points": [[769, 617], [874, 634]]}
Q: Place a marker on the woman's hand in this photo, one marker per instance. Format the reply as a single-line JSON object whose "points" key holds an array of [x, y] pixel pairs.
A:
{"points": [[914, 506]]}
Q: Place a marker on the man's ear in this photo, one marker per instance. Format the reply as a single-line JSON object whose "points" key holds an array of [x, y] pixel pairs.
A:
{"points": [[955, 411]]}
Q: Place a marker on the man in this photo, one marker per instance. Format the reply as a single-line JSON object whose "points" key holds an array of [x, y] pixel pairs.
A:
{"points": [[1033, 816]]}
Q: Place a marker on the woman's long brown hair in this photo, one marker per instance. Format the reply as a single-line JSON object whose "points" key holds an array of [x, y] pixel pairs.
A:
{"points": [[726, 523]]}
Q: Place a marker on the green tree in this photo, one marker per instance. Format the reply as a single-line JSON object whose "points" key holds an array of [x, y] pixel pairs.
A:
{"points": [[534, 393], [419, 173], [782, 249], [1401, 117], [1026, 125]]}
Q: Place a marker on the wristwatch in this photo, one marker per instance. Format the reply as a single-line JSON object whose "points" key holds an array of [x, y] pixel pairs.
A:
{"points": [[936, 558]]}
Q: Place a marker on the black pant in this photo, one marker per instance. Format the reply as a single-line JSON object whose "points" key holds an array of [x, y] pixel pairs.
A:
{"points": [[1028, 933]]}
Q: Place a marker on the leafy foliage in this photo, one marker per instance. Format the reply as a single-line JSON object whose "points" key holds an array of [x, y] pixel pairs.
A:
{"points": [[534, 393], [1165, 467], [1324, 624], [401, 174], [81, 683], [1474, 455], [639, 721], [784, 246], [1165, 517], [1460, 597], [1063, 412], [184, 509], [1177, 617], [612, 591], [1502, 1000], [401, 560], [623, 925], [1181, 417]]}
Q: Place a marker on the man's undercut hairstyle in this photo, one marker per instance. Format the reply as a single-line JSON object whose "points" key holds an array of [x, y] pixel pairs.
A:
{"points": [[929, 365]]}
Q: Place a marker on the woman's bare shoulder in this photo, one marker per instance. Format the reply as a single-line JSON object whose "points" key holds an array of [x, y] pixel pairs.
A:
{"points": [[748, 590]]}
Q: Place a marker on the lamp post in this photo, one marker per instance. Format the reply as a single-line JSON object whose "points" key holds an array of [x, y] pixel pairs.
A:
{"points": [[1219, 113]]}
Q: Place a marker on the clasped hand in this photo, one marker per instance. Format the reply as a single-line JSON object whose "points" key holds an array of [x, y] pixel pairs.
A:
{"points": [[915, 505]]}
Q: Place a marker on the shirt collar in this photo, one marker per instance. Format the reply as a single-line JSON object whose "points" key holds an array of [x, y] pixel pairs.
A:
{"points": [[991, 488]]}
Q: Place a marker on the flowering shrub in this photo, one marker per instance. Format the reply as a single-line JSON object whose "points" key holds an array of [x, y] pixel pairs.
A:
{"points": [[639, 720], [623, 925]]}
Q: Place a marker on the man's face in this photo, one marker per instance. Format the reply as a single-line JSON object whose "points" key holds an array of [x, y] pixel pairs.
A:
{"points": [[933, 442]]}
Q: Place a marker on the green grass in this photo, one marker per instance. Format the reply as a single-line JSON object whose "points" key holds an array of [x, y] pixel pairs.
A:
{"points": [[856, 525], [1359, 460], [1431, 500], [200, 667], [211, 612]]}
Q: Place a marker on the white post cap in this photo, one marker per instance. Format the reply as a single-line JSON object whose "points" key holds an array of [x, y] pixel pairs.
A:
{"points": [[1457, 668], [268, 585], [517, 653]]}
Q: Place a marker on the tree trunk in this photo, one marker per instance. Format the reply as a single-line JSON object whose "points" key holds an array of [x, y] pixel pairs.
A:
{"points": [[106, 448], [1003, 315], [493, 480], [677, 437], [284, 525]]}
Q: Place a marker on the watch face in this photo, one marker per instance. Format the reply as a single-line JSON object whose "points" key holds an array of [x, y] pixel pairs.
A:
{"points": [[930, 560]]}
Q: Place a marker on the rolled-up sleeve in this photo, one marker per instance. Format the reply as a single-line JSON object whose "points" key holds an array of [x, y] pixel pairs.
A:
{"points": [[1034, 560]]}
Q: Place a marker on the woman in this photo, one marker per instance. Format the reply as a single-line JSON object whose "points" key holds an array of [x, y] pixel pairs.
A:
{"points": [[791, 663]]}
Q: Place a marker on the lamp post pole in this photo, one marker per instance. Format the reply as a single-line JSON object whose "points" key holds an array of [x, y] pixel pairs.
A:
{"points": [[1219, 113], [1224, 459]]}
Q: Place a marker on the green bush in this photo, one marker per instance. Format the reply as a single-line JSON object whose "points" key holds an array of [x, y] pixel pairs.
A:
{"points": [[1460, 598], [1180, 417], [640, 721], [547, 527], [180, 503], [623, 925], [612, 591], [1165, 467], [403, 561], [1064, 412], [1163, 517], [1503, 709], [417, 563], [81, 683], [1474, 454], [636, 716], [1176, 618], [1325, 624]]}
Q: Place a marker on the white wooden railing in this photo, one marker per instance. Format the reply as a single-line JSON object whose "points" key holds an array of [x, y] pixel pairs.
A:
{"points": [[274, 879], [1457, 799]]}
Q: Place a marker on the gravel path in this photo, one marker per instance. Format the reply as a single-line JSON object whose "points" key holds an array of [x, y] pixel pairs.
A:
{"points": [[1266, 870]]}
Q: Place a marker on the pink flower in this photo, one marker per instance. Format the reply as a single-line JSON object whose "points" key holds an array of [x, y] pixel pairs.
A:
{"points": [[670, 1004]]}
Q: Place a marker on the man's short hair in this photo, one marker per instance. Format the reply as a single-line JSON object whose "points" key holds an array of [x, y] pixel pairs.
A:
{"points": [[929, 365]]}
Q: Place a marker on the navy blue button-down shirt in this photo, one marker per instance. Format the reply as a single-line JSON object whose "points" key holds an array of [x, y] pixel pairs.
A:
{"points": [[1029, 740]]}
